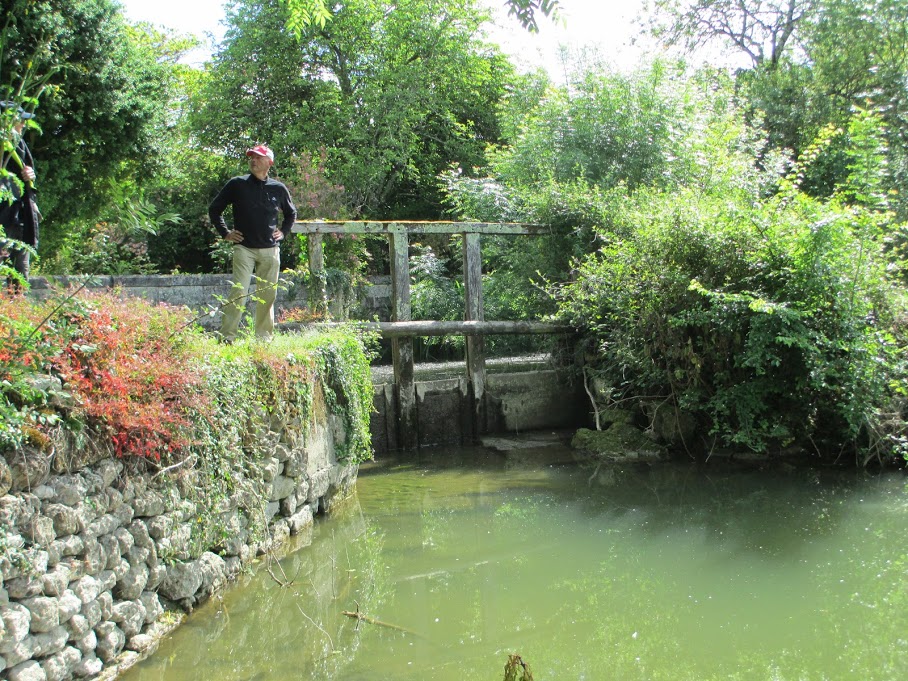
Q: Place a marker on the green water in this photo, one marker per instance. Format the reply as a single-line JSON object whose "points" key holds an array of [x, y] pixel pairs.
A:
{"points": [[653, 573]]}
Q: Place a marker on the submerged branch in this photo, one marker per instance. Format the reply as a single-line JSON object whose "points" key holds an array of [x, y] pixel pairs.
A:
{"points": [[359, 617]]}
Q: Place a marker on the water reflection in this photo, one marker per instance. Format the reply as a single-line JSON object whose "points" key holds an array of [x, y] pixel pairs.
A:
{"points": [[629, 573]]}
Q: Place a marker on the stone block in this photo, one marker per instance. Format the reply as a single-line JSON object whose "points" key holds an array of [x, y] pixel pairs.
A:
{"points": [[66, 519], [94, 555], [27, 671], [288, 505], [281, 453], [45, 613], [152, 605], [68, 546], [156, 575], [111, 549], [133, 583], [125, 538], [6, 477], [161, 526], [130, 616], [111, 640], [89, 667], [280, 532], [87, 644], [87, 589], [50, 642], [23, 587], [296, 465], [106, 524], [60, 666], [282, 487], [213, 573], [319, 483], [301, 519], [109, 470], [141, 643], [55, 581], [28, 468], [107, 579], [20, 652], [39, 530], [270, 468], [182, 581], [78, 627], [16, 624], [92, 613], [70, 606], [105, 600], [148, 504], [124, 512]]}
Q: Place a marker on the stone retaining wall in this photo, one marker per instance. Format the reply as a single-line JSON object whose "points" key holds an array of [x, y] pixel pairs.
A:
{"points": [[91, 559]]}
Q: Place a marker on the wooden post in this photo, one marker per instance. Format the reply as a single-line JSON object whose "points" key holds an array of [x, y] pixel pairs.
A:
{"points": [[476, 360], [402, 348], [318, 293]]}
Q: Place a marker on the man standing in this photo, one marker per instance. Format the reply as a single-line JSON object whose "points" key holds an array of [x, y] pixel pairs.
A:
{"points": [[19, 214], [256, 236]]}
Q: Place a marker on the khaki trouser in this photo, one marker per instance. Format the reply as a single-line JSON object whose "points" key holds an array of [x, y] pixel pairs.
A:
{"points": [[265, 263]]}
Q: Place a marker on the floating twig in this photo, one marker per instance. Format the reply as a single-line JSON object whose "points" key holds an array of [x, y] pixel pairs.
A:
{"points": [[360, 617]]}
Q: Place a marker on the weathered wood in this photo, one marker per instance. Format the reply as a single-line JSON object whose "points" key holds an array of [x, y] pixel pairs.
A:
{"points": [[475, 344], [318, 294], [402, 346], [392, 227], [415, 329]]}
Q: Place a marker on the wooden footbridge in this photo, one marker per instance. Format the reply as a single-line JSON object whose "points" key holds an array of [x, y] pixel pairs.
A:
{"points": [[402, 329]]}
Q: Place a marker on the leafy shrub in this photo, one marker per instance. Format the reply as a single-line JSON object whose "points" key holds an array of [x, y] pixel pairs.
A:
{"points": [[770, 320], [146, 378]]}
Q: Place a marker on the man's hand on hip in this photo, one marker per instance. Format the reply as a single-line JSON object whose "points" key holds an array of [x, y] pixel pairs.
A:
{"points": [[234, 236]]}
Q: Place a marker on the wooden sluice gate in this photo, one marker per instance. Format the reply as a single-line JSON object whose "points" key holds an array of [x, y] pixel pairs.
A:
{"points": [[402, 329]]}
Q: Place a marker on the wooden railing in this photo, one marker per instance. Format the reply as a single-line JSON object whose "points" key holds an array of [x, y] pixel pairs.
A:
{"points": [[402, 329]]}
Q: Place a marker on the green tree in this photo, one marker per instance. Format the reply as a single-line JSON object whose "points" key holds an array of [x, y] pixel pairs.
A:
{"points": [[104, 107], [813, 62], [301, 14], [394, 93], [773, 320], [764, 30]]}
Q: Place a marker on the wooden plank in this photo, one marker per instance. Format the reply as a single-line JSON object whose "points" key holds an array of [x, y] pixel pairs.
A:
{"points": [[402, 346], [475, 344], [318, 294], [435, 328], [390, 227]]}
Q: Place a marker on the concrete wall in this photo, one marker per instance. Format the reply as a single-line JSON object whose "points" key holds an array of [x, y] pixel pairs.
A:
{"points": [[200, 292], [539, 399]]}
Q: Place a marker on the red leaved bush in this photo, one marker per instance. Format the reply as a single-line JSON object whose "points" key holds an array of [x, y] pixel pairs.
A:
{"points": [[124, 361], [130, 374]]}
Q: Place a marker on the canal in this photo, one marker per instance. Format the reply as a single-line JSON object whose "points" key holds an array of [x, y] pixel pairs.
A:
{"points": [[448, 563]]}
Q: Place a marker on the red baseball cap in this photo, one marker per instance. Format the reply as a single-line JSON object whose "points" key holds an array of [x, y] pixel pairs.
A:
{"points": [[261, 150]]}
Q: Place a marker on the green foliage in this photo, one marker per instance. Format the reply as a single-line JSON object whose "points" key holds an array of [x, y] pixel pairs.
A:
{"points": [[436, 293], [304, 14], [27, 350], [341, 358], [117, 243], [574, 153], [393, 93], [771, 320], [105, 101], [139, 374]]}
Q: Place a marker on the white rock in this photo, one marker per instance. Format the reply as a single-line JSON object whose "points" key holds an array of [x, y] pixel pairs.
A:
{"points": [[27, 671]]}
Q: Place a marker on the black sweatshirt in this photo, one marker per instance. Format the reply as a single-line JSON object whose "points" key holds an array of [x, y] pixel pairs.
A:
{"points": [[255, 206]]}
